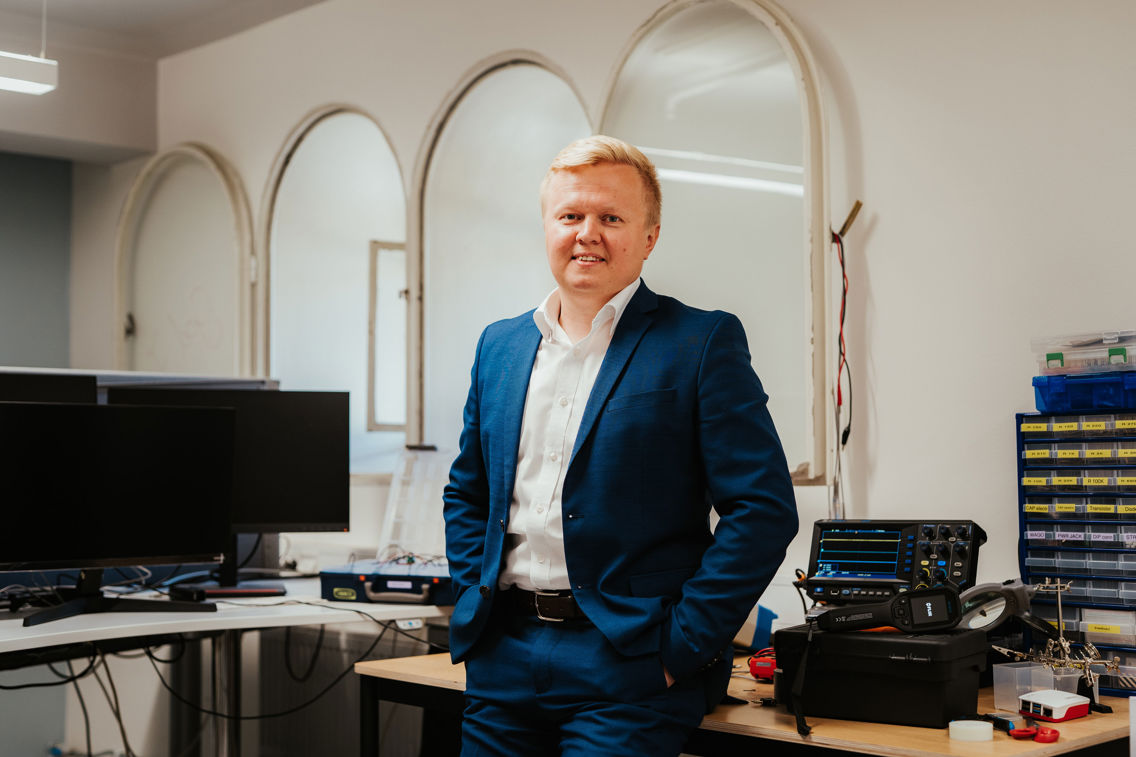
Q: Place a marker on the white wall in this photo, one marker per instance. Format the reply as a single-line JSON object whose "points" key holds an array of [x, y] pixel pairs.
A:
{"points": [[989, 141], [991, 144]]}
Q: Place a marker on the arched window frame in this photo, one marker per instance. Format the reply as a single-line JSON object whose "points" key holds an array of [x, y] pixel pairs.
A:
{"points": [[262, 288], [126, 232], [817, 234], [416, 410]]}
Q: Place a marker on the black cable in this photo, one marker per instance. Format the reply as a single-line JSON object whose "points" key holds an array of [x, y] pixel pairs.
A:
{"points": [[171, 660], [91, 663], [311, 663], [290, 711], [82, 705], [112, 700], [842, 361]]}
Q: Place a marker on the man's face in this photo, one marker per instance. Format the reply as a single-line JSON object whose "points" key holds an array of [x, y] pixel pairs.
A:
{"points": [[595, 229]]}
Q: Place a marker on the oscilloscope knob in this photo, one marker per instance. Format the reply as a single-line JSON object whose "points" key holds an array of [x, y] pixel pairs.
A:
{"points": [[928, 531], [940, 575], [961, 548], [925, 547], [945, 532]]}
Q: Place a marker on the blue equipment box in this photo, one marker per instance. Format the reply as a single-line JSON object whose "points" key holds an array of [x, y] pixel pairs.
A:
{"points": [[1096, 391], [398, 581]]}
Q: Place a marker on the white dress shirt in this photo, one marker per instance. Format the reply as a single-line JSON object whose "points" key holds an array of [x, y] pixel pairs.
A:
{"points": [[561, 381]]}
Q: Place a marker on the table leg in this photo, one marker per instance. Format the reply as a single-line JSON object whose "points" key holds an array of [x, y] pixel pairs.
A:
{"points": [[229, 729], [185, 722], [368, 716]]}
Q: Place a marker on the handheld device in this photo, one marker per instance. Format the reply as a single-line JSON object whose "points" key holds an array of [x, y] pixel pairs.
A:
{"points": [[918, 611]]}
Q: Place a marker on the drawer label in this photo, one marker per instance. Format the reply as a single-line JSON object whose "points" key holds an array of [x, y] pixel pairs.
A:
{"points": [[1126, 452], [1036, 534], [1097, 480], [1101, 508], [1034, 481], [1098, 453], [1101, 628], [1070, 535], [1093, 425], [1126, 481], [1064, 480], [1036, 508], [1128, 423], [1103, 537], [1067, 426], [1068, 453], [1066, 507], [1033, 454], [1041, 426], [1126, 509]]}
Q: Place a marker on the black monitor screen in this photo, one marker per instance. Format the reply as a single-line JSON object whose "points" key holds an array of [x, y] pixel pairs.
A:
{"points": [[94, 486], [47, 387], [290, 460]]}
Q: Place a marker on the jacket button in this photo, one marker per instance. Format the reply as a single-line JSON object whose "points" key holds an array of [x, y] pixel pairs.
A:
{"points": [[485, 592]]}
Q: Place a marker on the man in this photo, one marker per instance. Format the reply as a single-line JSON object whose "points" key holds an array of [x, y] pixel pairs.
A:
{"points": [[595, 607]]}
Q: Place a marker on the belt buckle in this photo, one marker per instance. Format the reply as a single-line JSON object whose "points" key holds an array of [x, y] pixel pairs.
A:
{"points": [[536, 604]]}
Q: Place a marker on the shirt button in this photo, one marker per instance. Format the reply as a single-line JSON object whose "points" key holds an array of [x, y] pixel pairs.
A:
{"points": [[540, 561], [539, 510], [554, 457], [563, 402]]}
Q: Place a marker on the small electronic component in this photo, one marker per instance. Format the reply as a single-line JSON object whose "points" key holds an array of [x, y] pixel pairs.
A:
{"points": [[762, 665], [1053, 706]]}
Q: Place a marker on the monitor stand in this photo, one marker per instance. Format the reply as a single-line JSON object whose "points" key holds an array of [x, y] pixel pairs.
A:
{"points": [[87, 597], [228, 583]]}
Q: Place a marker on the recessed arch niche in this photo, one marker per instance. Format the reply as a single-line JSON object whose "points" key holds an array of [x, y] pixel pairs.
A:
{"points": [[335, 303], [722, 96], [184, 246], [482, 237]]}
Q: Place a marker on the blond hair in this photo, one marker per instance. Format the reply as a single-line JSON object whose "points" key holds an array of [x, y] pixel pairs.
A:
{"points": [[599, 148]]}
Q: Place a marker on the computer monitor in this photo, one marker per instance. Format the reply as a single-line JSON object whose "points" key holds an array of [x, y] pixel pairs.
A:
{"points": [[47, 387], [290, 458], [93, 486]]}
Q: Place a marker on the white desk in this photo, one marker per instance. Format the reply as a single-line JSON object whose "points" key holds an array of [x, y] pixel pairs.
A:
{"points": [[232, 614], [232, 617]]}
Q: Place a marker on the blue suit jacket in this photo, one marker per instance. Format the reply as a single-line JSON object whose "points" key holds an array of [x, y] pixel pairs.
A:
{"points": [[676, 423]]}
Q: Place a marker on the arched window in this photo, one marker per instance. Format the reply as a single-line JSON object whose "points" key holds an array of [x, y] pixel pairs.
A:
{"points": [[721, 96], [337, 299], [184, 244], [482, 239]]}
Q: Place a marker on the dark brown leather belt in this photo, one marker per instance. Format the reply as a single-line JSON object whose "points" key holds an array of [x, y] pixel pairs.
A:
{"points": [[553, 606]]}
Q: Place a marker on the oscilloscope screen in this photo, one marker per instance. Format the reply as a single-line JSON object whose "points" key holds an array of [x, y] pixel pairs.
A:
{"points": [[858, 553]]}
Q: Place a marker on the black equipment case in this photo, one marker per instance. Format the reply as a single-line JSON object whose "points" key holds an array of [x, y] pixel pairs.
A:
{"points": [[904, 679]]}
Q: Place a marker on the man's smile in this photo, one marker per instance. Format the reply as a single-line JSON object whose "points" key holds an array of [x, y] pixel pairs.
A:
{"points": [[588, 258]]}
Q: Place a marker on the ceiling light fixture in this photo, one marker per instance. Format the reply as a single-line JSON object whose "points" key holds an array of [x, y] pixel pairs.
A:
{"points": [[27, 73]]}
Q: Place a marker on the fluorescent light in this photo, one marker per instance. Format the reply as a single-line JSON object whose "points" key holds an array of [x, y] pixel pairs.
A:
{"points": [[705, 157], [28, 74], [732, 182]]}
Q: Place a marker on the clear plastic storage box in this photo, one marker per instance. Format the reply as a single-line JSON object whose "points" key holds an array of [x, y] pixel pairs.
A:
{"points": [[1086, 353]]}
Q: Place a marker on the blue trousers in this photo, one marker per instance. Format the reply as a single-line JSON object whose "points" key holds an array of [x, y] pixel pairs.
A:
{"points": [[539, 688]]}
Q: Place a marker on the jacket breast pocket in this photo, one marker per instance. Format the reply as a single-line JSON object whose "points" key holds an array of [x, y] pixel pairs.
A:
{"points": [[661, 583], [642, 399]]}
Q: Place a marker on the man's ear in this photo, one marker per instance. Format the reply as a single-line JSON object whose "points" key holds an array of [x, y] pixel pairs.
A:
{"points": [[652, 238]]}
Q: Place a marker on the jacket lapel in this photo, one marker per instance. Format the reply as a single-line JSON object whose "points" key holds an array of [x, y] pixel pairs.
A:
{"points": [[513, 388], [636, 318]]}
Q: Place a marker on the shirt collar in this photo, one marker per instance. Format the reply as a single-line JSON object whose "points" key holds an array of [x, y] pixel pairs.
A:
{"points": [[547, 314]]}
